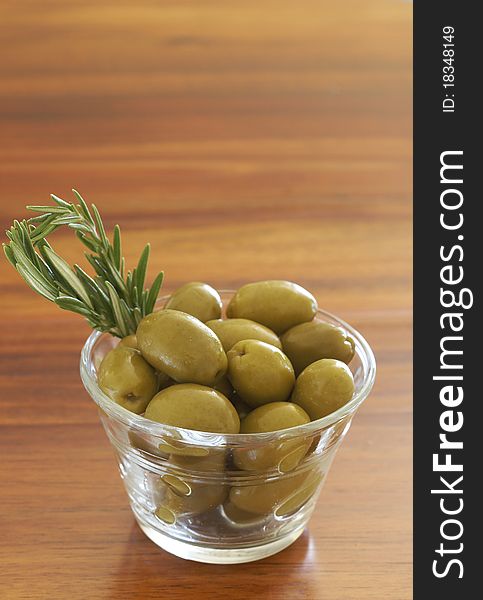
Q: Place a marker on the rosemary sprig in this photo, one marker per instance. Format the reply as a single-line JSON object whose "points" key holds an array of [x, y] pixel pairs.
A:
{"points": [[109, 300]]}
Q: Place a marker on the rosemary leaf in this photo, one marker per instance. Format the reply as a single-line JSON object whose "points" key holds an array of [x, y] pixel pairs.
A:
{"points": [[18, 232], [66, 220], [21, 260], [129, 284], [83, 206], [46, 209], [85, 240], [68, 275], [141, 270], [116, 307], [42, 232], [138, 315], [100, 227], [39, 219], [74, 305], [28, 246], [97, 266], [116, 245], [110, 301], [127, 315], [34, 284], [9, 254], [96, 293], [46, 271], [153, 293], [116, 280], [144, 297], [59, 201]]}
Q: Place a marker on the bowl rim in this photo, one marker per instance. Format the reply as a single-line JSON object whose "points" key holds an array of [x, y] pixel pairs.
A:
{"points": [[195, 437]]}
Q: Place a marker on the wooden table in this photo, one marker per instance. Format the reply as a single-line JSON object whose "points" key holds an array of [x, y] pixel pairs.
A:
{"points": [[253, 140]]}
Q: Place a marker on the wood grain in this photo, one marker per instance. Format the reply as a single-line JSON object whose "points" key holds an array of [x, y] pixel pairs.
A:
{"points": [[263, 139]]}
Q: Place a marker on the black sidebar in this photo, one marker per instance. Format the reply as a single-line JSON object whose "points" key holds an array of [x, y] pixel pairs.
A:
{"points": [[448, 333]]}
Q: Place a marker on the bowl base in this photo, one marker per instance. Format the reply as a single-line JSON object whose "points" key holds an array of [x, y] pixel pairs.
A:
{"points": [[220, 556]]}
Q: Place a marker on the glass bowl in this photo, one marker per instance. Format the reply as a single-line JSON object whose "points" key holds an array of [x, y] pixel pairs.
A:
{"points": [[184, 486]]}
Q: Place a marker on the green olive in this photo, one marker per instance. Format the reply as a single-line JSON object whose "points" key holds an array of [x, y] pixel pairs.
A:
{"points": [[323, 387], [302, 495], [259, 372], [179, 492], [308, 342], [274, 417], [231, 331], [278, 305], [240, 516], [145, 442], [127, 378], [163, 380], [165, 446], [197, 299], [208, 460], [182, 347], [193, 406], [130, 341], [284, 455], [201, 498], [282, 496]]}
